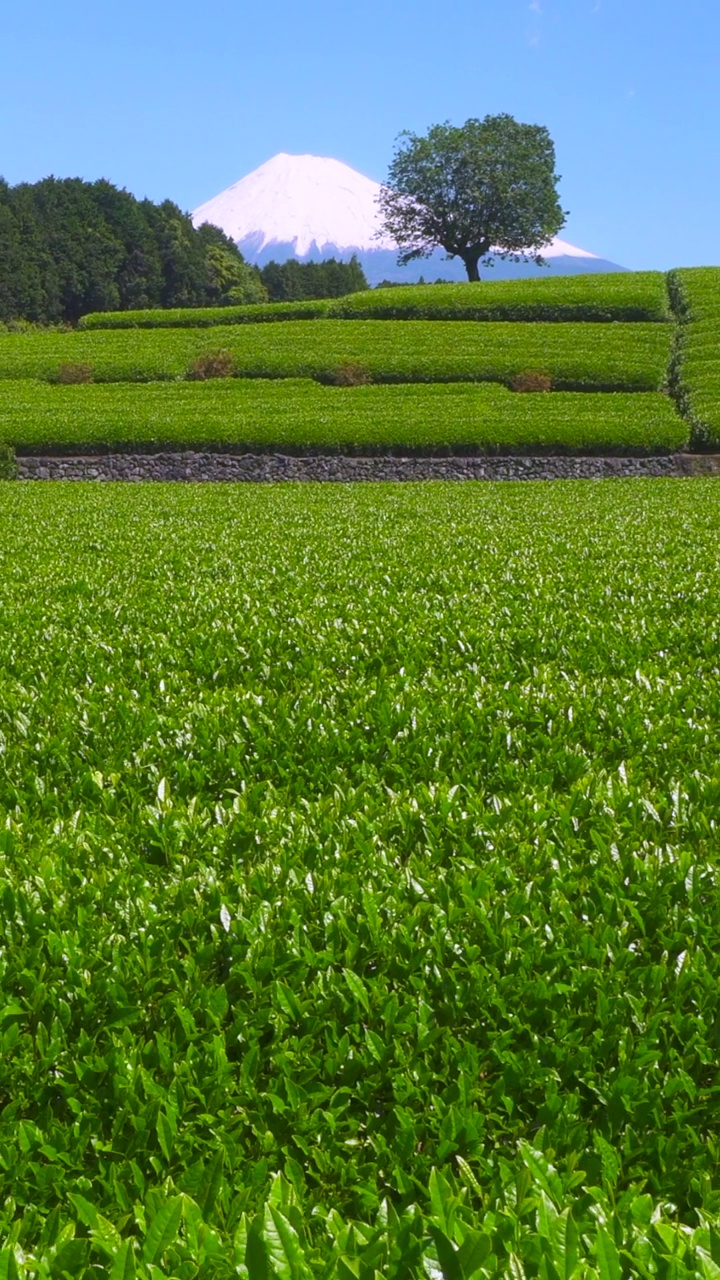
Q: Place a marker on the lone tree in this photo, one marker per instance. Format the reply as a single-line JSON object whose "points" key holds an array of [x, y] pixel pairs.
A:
{"points": [[486, 189]]}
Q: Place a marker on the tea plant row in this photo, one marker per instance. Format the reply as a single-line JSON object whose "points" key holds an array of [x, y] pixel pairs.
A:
{"points": [[301, 413], [697, 292]]}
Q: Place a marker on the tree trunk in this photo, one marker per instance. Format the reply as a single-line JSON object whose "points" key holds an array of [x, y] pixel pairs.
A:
{"points": [[471, 266]]}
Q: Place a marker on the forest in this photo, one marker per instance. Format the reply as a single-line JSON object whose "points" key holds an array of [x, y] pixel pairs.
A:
{"points": [[68, 247]]}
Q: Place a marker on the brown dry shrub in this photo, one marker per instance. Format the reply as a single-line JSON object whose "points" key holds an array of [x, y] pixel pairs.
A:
{"points": [[218, 363], [350, 374], [70, 373], [531, 380]]}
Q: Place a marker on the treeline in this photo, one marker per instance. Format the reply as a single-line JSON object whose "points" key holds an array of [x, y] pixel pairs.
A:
{"points": [[68, 247], [294, 281]]}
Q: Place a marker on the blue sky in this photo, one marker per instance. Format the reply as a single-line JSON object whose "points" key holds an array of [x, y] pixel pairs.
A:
{"points": [[179, 100]]}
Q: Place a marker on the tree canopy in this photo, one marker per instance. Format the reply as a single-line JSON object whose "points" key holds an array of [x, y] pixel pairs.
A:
{"points": [[485, 189], [68, 246], [292, 281]]}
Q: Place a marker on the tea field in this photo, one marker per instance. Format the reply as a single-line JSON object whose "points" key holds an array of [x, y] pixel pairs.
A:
{"points": [[359, 881]]}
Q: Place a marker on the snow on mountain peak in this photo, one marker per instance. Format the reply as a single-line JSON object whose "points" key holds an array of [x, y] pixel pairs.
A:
{"points": [[312, 203], [306, 201]]}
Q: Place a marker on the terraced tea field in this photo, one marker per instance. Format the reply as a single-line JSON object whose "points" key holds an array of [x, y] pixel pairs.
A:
{"points": [[358, 872], [592, 356], [604, 346]]}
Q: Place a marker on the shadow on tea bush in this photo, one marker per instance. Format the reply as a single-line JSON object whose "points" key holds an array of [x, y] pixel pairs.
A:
{"points": [[218, 363], [531, 380], [70, 373]]}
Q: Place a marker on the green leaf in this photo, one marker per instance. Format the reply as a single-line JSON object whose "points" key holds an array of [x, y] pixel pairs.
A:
{"points": [[211, 1183], [123, 1267], [542, 1171], [568, 1239], [447, 1255], [642, 1210], [606, 1253], [105, 1235], [547, 1216], [163, 1230], [357, 987], [102, 1231], [256, 1258], [473, 1251], [708, 1268], [239, 1245], [72, 1257], [348, 1268], [285, 1254], [288, 1001], [86, 1212], [441, 1201], [611, 1161], [8, 1265], [516, 1270], [165, 1135], [468, 1177]]}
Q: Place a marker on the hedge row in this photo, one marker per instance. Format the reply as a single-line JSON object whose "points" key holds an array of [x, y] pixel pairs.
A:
{"points": [[620, 296], [696, 295], [303, 414], [620, 357]]}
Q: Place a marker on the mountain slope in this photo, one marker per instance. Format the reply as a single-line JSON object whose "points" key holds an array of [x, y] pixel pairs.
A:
{"points": [[313, 207]]}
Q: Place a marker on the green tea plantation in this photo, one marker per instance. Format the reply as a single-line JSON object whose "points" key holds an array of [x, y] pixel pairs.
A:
{"points": [[359, 881], [625, 361]]}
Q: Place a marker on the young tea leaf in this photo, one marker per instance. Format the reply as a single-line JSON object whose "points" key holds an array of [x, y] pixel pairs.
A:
{"points": [[163, 1230]]}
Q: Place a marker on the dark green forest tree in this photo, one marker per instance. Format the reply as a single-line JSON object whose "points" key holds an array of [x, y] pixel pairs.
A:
{"points": [[294, 281], [68, 247], [485, 189]]}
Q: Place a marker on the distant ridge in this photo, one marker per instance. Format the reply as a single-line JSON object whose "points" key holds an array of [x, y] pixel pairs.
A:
{"points": [[314, 207]]}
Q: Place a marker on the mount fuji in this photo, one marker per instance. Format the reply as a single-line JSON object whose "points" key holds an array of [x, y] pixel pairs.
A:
{"points": [[313, 207]]}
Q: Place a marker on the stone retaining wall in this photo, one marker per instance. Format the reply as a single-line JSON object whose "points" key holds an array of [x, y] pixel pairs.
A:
{"points": [[191, 466]]}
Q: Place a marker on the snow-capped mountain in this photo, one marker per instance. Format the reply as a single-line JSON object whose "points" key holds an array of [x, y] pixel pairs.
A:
{"points": [[313, 207]]}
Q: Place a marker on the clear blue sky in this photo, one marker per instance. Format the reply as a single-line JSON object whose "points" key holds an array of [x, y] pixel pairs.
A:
{"points": [[179, 100]]}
